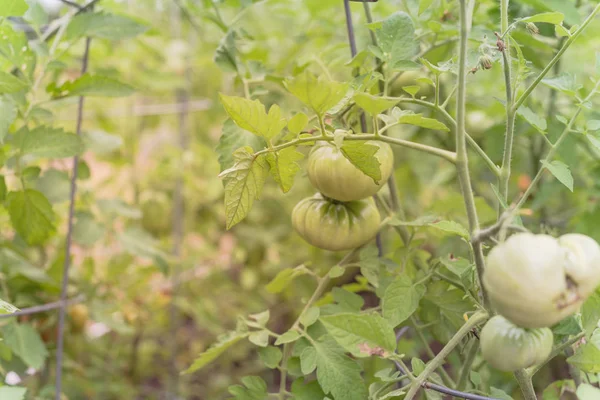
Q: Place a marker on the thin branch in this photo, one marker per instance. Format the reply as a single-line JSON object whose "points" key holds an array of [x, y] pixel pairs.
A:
{"points": [[557, 57], [467, 365], [44, 307], [555, 352], [186, 14], [455, 393], [526, 385], [476, 319], [67, 263]]}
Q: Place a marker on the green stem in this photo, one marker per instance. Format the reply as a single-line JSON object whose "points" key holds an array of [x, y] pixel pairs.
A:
{"points": [[462, 163], [466, 367], [557, 57], [477, 318], [526, 385], [554, 149], [490, 164], [445, 377], [445, 154], [505, 170]]}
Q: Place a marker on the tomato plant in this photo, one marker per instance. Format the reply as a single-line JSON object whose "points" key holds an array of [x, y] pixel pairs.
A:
{"points": [[161, 235]]}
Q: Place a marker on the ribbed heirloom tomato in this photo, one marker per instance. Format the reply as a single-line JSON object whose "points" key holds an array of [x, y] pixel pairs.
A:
{"points": [[508, 347], [536, 280], [333, 175], [333, 225]]}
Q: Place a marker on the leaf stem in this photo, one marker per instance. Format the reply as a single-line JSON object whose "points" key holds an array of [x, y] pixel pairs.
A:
{"points": [[477, 318], [445, 377], [557, 57], [468, 363]]}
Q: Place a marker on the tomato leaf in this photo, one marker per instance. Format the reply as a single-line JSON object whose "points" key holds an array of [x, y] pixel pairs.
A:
{"points": [[270, 356], [92, 86], [284, 166], [232, 138], [13, 8], [104, 26], [585, 391], [401, 299], [533, 119], [561, 172], [555, 18], [243, 184], [225, 342], [373, 104], [586, 358], [45, 141], [26, 343], [565, 83], [352, 330], [251, 116], [590, 314], [287, 337], [254, 388], [362, 156], [31, 215], [297, 123], [308, 360], [452, 227], [396, 37], [10, 83], [337, 373], [319, 94], [556, 390], [283, 279]]}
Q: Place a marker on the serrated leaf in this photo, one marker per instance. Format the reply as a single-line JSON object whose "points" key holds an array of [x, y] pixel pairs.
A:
{"points": [[297, 123], [373, 104], [337, 373], [561, 172], [452, 227], [252, 116], [287, 337], [232, 138], [31, 215], [424, 5], [533, 119], [396, 37], [13, 8], [284, 166], [270, 356], [352, 330], [104, 26], [10, 83], [93, 86], [224, 343], [310, 316], [400, 300], [559, 390], [226, 53], [565, 83], [26, 343], [308, 360], [590, 314], [362, 156], [259, 338], [307, 390], [555, 18], [45, 141], [254, 388], [319, 94], [420, 120], [243, 184], [586, 358]]}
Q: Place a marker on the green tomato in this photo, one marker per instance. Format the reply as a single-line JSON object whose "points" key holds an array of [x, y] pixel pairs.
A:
{"points": [[536, 280], [333, 225], [508, 347], [337, 178]]}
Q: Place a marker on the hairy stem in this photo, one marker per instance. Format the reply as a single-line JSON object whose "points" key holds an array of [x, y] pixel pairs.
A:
{"points": [[462, 162], [466, 367], [526, 385], [556, 351]]}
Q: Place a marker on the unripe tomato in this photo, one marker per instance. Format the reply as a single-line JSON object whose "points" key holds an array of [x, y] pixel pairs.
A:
{"points": [[337, 178], [333, 225], [526, 281], [79, 315], [583, 266], [508, 347], [535, 282]]}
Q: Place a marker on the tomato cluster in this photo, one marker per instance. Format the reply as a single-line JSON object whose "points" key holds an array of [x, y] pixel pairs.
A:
{"points": [[343, 215], [535, 281]]}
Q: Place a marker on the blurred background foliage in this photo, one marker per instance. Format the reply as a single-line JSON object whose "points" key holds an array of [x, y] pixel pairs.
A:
{"points": [[145, 323]]}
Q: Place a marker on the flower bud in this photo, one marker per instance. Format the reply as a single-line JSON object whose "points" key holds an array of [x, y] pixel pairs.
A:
{"points": [[532, 28], [485, 62]]}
